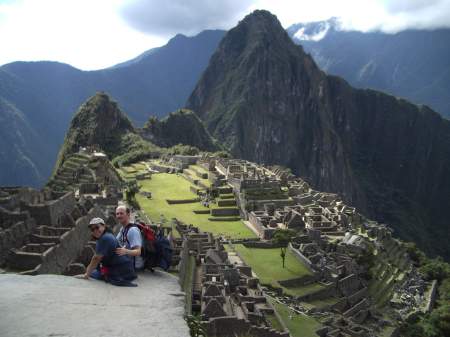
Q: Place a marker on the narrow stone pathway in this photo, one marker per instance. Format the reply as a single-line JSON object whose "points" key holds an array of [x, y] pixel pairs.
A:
{"points": [[54, 305]]}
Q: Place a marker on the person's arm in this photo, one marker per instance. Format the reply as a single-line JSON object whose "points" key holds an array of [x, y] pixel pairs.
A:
{"points": [[135, 240], [92, 265], [135, 251]]}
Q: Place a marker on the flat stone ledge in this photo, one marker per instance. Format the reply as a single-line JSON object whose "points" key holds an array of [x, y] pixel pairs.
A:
{"points": [[55, 305]]}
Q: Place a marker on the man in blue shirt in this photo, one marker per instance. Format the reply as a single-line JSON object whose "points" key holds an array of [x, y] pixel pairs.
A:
{"points": [[106, 264], [129, 237]]}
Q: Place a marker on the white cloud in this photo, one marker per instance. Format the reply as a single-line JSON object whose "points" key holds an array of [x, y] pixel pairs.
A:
{"points": [[167, 18], [84, 33], [93, 34]]}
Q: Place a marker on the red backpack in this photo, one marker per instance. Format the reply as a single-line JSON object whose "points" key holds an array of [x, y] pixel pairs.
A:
{"points": [[148, 234], [148, 237]]}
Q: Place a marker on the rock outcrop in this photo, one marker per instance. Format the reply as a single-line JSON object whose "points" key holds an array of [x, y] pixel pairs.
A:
{"points": [[179, 127]]}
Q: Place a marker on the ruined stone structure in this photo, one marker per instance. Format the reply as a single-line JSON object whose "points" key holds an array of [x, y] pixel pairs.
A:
{"points": [[331, 238], [44, 232], [227, 296]]}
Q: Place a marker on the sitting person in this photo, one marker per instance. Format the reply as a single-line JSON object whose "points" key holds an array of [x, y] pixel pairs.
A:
{"points": [[106, 264], [129, 237]]}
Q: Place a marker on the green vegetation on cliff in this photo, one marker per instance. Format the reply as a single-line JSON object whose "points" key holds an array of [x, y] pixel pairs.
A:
{"points": [[179, 127], [99, 123]]}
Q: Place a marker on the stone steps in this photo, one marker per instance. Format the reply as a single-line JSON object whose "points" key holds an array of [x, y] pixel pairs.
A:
{"points": [[225, 190], [226, 202], [225, 211], [224, 219]]}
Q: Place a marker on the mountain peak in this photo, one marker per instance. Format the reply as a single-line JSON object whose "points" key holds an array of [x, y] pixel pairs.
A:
{"points": [[98, 122], [260, 25], [255, 59], [101, 115]]}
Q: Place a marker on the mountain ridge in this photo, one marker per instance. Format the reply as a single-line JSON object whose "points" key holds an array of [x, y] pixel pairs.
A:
{"points": [[47, 93], [278, 107], [413, 64]]}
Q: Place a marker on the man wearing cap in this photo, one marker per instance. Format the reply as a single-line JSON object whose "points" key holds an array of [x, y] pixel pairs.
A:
{"points": [[106, 264], [129, 237]]}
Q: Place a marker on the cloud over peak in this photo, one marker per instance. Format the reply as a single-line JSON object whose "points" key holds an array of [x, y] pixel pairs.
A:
{"points": [[168, 18]]}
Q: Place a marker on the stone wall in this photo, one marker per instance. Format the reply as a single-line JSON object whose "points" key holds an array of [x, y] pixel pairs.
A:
{"points": [[300, 281], [261, 244], [182, 266], [71, 245], [432, 298], [17, 195], [8, 218], [231, 326], [49, 249], [357, 307], [89, 188], [224, 211], [302, 258], [50, 212], [14, 235], [108, 201], [326, 292], [182, 201]]}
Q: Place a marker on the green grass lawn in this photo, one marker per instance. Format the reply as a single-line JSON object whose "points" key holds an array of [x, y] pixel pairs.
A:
{"points": [[266, 263], [299, 325], [272, 318], [170, 186]]}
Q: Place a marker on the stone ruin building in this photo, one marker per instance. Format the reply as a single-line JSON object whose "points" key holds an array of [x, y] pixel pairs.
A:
{"points": [[331, 237], [227, 297], [46, 232], [88, 171]]}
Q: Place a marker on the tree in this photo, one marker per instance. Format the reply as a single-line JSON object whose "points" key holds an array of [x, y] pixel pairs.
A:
{"points": [[282, 237], [435, 269], [131, 189], [195, 326], [438, 323]]}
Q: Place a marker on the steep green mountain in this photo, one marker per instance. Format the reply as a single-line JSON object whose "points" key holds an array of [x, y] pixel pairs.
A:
{"points": [[179, 127], [45, 95], [100, 123], [414, 64], [267, 101]]}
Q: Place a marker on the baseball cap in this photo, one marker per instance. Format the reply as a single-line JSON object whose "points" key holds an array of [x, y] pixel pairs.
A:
{"points": [[96, 221]]}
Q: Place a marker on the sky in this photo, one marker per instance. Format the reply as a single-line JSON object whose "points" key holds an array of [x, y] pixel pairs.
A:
{"points": [[95, 34]]}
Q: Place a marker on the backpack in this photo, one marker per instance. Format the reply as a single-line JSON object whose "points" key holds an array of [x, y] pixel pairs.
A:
{"points": [[163, 251], [156, 249]]}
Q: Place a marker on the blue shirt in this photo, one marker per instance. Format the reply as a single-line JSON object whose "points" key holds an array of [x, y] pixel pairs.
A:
{"points": [[106, 246], [133, 239]]}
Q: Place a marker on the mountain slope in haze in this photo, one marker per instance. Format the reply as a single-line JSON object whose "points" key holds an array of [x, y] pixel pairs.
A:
{"points": [[179, 127], [267, 101], [21, 158], [45, 95], [414, 64]]}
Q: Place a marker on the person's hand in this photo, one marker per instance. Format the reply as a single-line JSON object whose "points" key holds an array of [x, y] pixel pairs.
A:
{"points": [[121, 251], [82, 276]]}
